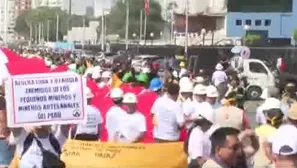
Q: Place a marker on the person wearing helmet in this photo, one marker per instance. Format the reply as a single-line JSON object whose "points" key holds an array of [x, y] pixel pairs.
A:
{"points": [[91, 129], [199, 94], [289, 95], [212, 95], [132, 126], [197, 145], [156, 85], [183, 71], [105, 79], [220, 80], [274, 118], [185, 97], [115, 113]]}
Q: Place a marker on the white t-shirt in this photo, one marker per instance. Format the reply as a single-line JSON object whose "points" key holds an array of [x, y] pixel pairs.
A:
{"points": [[130, 127], [219, 77], [199, 144], [90, 125], [33, 156], [113, 118], [169, 116]]}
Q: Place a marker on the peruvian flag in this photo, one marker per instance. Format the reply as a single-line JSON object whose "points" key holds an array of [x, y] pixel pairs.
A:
{"points": [[146, 7]]}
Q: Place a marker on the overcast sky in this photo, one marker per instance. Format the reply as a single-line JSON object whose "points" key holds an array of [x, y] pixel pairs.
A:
{"points": [[79, 6]]}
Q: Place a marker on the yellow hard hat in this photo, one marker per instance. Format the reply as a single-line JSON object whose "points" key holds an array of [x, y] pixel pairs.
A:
{"points": [[182, 64]]}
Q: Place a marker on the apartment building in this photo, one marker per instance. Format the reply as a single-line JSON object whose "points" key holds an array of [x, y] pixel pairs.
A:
{"points": [[7, 20], [21, 5]]}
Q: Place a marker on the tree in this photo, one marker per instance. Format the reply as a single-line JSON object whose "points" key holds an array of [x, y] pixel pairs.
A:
{"points": [[43, 16], [116, 20], [295, 36]]}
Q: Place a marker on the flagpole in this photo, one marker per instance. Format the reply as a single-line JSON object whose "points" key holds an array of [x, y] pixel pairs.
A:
{"points": [[6, 10], [47, 30], [127, 25], [57, 29], [31, 33], [102, 31], [187, 27], [144, 31], [141, 24]]}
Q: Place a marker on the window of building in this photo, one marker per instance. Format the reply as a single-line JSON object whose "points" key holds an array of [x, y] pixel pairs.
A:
{"points": [[238, 22], [267, 22], [258, 22], [256, 67], [248, 22]]}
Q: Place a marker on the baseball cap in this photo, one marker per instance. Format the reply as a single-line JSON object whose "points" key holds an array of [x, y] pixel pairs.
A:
{"points": [[130, 98], [211, 91], [285, 146], [199, 89], [292, 114], [116, 93]]}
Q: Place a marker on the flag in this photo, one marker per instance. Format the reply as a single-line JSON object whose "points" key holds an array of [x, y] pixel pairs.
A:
{"points": [[146, 7]]}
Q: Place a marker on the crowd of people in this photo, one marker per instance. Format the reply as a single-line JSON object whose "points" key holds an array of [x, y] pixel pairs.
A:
{"points": [[208, 109]]}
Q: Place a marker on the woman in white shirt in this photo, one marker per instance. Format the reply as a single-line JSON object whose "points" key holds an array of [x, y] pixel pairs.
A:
{"points": [[168, 116], [198, 145], [132, 126]]}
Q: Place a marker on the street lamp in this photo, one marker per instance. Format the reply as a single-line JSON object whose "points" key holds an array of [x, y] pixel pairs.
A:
{"points": [[203, 33], [134, 37], [118, 38], [152, 36]]}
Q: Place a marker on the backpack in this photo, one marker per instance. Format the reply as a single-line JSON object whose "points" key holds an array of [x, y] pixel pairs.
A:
{"points": [[50, 160]]}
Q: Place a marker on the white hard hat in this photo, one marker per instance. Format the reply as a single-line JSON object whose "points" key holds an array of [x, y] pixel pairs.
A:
{"points": [[89, 93], [199, 79], [219, 67], [116, 93], [200, 89], [96, 72], [211, 91], [130, 98], [106, 74], [271, 103], [186, 87], [184, 81], [205, 111]]}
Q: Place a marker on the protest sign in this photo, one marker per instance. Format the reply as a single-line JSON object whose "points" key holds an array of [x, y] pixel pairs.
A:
{"points": [[77, 154], [45, 99]]}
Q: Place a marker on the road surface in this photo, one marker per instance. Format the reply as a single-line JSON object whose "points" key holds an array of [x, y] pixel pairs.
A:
{"points": [[251, 107]]}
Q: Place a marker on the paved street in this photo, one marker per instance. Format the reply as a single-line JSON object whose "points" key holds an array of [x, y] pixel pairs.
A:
{"points": [[251, 107]]}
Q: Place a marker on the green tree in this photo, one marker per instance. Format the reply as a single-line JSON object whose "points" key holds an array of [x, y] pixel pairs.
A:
{"points": [[48, 18], [116, 20], [295, 36]]}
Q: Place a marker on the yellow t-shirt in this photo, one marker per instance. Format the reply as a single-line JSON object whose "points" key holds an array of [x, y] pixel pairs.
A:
{"points": [[264, 132]]}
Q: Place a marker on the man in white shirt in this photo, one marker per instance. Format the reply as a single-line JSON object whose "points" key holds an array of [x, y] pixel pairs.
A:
{"points": [[212, 95], [198, 142], [132, 126], [105, 79], [115, 113], [91, 128], [168, 116], [220, 80]]}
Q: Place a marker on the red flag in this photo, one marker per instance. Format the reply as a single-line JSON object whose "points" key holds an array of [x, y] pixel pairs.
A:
{"points": [[146, 7]]}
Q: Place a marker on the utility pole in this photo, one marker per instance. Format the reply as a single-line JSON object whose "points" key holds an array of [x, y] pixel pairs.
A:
{"points": [[31, 33], [47, 30], [102, 30], [83, 40], [6, 11]]}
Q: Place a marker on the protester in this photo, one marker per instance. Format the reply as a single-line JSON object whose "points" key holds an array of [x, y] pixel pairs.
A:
{"points": [[168, 116], [115, 114], [274, 118], [198, 145], [105, 79], [220, 80], [225, 149], [156, 85], [212, 95], [91, 129], [132, 126]]}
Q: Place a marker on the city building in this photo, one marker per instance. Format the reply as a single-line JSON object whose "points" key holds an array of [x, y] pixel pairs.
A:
{"points": [[7, 20], [207, 20], [48, 3], [84, 35], [274, 21], [21, 5]]}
